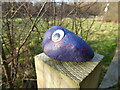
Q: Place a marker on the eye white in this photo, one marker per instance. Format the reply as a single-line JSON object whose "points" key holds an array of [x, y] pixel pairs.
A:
{"points": [[57, 35]]}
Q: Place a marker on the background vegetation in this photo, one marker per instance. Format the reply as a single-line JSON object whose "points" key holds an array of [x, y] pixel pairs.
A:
{"points": [[24, 25]]}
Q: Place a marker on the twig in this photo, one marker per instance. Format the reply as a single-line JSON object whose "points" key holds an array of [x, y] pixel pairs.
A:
{"points": [[67, 15], [90, 28], [32, 27], [17, 10], [29, 33]]}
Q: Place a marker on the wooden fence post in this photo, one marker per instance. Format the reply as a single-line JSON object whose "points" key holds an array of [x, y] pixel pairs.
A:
{"points": [[64, 74]]}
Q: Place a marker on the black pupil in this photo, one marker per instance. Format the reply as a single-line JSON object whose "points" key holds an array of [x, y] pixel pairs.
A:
{"points": [[57, 36]]}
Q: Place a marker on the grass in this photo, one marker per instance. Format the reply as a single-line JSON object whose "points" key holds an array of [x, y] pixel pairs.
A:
{"points": [[102, 38]]}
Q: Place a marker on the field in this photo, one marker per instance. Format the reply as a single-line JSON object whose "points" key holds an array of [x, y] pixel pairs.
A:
{"points": [[101, 36]]}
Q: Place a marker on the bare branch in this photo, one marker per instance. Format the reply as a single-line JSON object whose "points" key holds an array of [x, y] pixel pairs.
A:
{"points": [[17, 10], [33, 25], [90, 28], [29, 33]]}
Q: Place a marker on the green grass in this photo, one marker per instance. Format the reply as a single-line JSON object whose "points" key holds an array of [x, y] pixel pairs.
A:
{"points": [[102, 37]]}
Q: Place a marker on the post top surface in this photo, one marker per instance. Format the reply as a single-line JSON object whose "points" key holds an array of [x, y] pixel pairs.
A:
{"points": [[75, 70]]}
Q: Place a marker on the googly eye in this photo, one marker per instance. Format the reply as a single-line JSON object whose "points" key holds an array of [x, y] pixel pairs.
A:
{"points": [[57, 35]]}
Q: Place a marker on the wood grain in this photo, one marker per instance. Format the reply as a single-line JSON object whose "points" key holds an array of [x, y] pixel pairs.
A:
{"points": [[64, 74]]}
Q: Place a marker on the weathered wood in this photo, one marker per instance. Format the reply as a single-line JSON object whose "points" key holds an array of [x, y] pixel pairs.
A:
{"points": [[65, 74], [112, 75]]}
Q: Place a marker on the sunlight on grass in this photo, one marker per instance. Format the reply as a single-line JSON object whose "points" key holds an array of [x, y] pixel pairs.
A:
{"points": [[102, 36]]}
